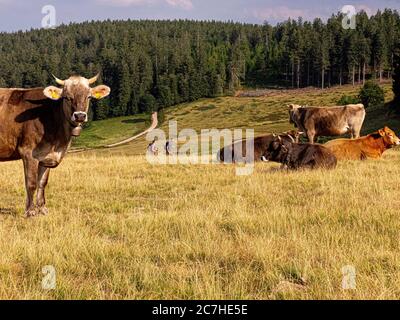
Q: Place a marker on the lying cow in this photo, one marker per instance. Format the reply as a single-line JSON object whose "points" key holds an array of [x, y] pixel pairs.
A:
{"points": [[328, 121], [371, 146], [300, 155], [37, 125], [237, 152]]}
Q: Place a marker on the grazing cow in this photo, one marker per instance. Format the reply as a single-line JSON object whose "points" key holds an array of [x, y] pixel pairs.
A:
{"points": [[328, 121], [371, 146], [37, 125], [237, 152], [300, 155]]}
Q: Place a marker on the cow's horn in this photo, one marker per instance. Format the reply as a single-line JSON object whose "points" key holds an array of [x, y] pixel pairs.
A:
{"points": [[94, 79], [59, 81]]}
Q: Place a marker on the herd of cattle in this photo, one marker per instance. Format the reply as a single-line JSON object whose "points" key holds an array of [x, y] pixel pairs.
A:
{"points": [[37, 126], [314, 122]]}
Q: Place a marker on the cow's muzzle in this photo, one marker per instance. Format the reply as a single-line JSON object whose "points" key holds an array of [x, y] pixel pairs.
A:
{"points": [[79, 117]]}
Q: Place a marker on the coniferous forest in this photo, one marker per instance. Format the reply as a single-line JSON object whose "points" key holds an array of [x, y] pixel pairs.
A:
{"points": [[155, 64]]}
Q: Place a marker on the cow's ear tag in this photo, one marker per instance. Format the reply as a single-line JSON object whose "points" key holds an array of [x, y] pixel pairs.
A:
{"points": [[55, 95]]}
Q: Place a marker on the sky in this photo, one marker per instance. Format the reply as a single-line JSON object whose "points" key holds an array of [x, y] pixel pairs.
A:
{"points": [[25, 14]]}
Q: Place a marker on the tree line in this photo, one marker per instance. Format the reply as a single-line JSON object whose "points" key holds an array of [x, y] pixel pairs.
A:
{"points": [[156, 64]]}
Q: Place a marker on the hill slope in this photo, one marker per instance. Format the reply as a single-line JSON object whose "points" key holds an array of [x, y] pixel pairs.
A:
{"points": [[266, 114]]}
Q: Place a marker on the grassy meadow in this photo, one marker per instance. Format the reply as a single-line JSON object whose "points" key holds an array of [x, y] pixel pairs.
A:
{"points": [[105, 132], [121, 228]]}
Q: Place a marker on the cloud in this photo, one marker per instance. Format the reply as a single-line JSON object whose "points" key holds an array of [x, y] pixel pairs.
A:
{"points": [[279, 13], [183, 4], [126, 3], [367, 9]]}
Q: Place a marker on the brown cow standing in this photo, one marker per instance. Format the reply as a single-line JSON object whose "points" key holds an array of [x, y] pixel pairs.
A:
{"points": [[328, 121], [371, 146], [37, 125]]}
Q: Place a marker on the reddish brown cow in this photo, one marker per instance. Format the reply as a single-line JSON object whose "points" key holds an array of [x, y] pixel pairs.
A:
{"points": [[37, 125], [371, 146]]}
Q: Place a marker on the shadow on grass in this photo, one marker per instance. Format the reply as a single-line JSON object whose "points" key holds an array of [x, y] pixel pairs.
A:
{"points": [[133, 121], [378, 117], [8, 211]]}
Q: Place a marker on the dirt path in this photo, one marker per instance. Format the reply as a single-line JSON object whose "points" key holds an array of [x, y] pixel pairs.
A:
{"points": [[255, 93]]}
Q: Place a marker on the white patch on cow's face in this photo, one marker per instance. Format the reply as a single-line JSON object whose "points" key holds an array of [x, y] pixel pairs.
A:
{"points": [[79, 117]]}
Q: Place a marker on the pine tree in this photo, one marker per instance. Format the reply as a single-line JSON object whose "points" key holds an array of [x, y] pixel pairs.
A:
{"points": [[396, 77]]}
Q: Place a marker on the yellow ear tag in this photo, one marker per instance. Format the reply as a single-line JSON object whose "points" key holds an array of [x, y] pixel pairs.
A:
{"points": [[54, 95], [98, 95]]}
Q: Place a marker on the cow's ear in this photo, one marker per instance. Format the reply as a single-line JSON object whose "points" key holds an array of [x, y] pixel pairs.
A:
{"points": [[100, 92], [382, 132], [53, 93]]}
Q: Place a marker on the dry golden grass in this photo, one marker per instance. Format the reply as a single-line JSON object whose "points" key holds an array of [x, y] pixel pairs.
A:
{"points": [[122, 228]]}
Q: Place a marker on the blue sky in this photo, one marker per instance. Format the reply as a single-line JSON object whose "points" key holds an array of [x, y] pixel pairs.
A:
{"points": [[26, 14]]}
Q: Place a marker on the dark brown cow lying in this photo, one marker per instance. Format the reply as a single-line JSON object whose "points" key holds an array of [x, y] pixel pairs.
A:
{"points": [[328, 121], [300, 155], [237, 152], [371, 146], [36, 125]]}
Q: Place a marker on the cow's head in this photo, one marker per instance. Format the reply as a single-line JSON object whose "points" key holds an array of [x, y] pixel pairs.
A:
{"points": [[389, 137], [294, 114], [277, 150], [76, 94]]}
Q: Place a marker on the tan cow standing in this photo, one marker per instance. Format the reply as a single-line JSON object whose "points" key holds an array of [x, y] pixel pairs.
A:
{"points": [[328, 121], [37, 125]]}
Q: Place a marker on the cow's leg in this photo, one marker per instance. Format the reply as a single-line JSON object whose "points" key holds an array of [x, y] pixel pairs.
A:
{"points": [[42, 179], [310, 136], [355, 133], [31, 171]]}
